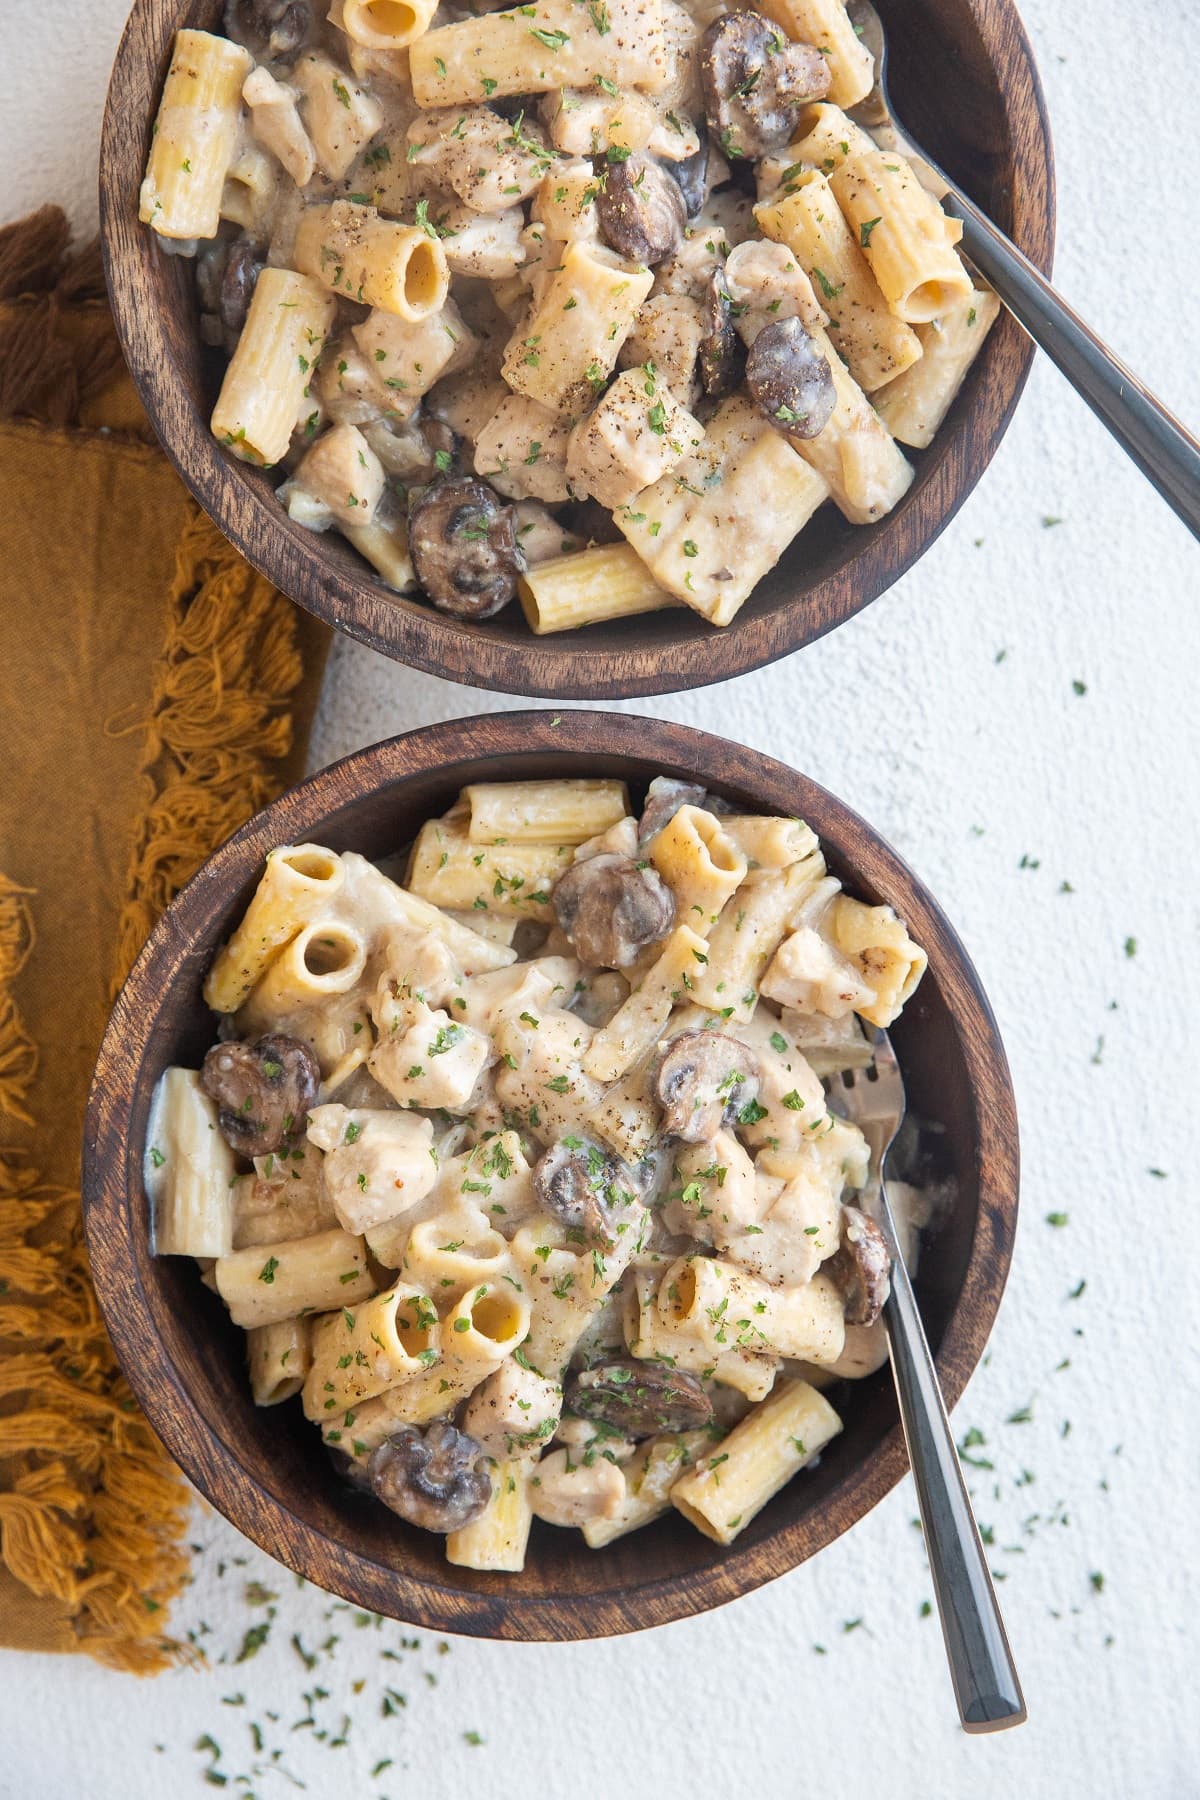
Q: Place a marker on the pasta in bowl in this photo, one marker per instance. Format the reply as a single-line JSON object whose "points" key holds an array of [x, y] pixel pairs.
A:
{"points": [[548, 1222], [602, 315]]}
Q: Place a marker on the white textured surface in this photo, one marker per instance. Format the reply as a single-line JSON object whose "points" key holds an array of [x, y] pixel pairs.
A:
{"points": [[971, 761]]}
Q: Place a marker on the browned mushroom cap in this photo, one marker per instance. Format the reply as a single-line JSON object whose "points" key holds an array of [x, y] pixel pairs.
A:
{"points": [[638, 1398], [755, 82], [263, 1091], [704, 1080], [691, 175], [268, 27], [789, 377], [664, 797], [438, 1480], [586, 1187], [641, 210], [722, 354], [611, 908], [464, 548], [243, 267], [861, 1267]]}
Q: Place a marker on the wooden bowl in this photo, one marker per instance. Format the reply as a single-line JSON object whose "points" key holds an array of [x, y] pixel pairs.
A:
{"points": [[965, 82], [266, 1470]]}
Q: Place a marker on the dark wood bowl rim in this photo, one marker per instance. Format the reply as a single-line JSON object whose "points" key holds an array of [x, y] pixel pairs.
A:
{"points": [[183, 937], [570, 667]]}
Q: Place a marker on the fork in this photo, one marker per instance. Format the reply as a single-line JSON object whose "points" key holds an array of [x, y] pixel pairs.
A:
{"points": [[1160, 446], [981, 1665]]}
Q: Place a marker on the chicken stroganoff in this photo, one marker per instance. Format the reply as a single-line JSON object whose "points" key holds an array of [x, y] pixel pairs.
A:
{"points": [[519, 1170], [592, 301]]}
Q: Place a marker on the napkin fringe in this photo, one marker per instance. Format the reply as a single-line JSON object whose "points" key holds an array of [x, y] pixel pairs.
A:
{"points": [[95, 1515], [46, 372]]}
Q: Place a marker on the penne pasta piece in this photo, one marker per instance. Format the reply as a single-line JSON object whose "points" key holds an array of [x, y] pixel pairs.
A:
{"points": [[636, 1025], [558, 44]]}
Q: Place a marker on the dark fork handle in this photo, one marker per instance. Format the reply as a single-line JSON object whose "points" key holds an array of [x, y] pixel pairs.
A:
{"points": [[981, 1665], [1166, 454]]}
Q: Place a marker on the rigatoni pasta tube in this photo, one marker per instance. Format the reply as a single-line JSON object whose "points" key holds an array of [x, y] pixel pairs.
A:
{"points": [[544, 812], [906, 237], [713, 526], [609, 581], [270, 369], [700, 865], [379, 904], [732, 1484], [768, 842], [748, 933], [855, 452], [189, 1170], [806, 217], [361, 1350], [487, 1324], [876, 940], [195, 136], [563, 352], [450, 870], [279, 1281], [663, 1336], [299, 882], [375, 261], [326, 959], [724, 1305], [452, 1252], [635, 1025], [649, 1478], [913, 407], [826, 25], [278, 1357], [386, 24], [532, 50], [497, 1539]]}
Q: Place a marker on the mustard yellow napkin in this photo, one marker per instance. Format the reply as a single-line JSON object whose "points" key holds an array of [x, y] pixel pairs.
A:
{"points": [[155, 692]]}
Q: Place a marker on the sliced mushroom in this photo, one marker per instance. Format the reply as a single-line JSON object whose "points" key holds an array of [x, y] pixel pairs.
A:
{"points": [[641, 210], [437, 1480], [463, 543], [756, 83], [268, 27], [586, 1187], [861, 1267], [243, 267], [704, 1080], [263, 1091], [722, 355], [639, 1398], [691, 175], [664, 797], [610, 908], [790, 380]]}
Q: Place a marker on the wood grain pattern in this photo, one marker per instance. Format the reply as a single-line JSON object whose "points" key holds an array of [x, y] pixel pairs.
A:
{"points": [[266, 1470], [964, 80]]}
